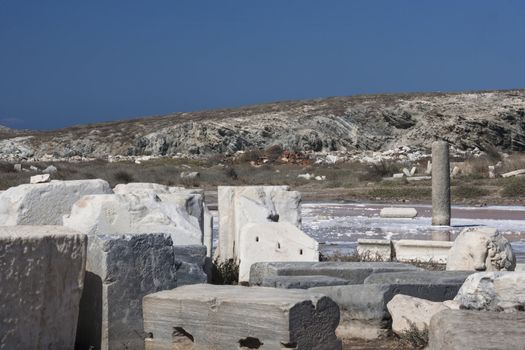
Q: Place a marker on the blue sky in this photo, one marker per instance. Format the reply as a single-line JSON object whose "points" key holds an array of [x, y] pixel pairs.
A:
{"points": [[76, 62]]}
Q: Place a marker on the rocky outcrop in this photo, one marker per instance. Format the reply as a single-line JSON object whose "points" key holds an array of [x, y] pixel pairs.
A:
{"points": [[374, 122]]}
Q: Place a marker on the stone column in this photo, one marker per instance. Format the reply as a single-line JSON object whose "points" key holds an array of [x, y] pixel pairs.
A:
{"points": [[440, 184]]}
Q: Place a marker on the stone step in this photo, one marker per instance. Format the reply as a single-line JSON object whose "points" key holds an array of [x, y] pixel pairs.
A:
{"points": [[205, 316]]}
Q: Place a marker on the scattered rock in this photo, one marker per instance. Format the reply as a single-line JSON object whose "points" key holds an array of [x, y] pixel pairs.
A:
{"points": [[190, 175], [407, 311], [493, 291], [50, 170], [514, 173], [18, 167], [33, 168], [37, 179]]}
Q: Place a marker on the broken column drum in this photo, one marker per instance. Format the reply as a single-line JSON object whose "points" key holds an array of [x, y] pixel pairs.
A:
{"points": [[440, 184]]}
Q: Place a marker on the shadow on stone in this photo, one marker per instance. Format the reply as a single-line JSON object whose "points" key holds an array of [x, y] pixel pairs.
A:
{"points": [[90, 324]]}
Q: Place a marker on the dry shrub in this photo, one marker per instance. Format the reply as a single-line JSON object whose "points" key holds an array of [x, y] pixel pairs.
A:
{"points": [[467, 191], [414, 338], [273, 153], [377, 171], [514, 187], [123, 176], [225, 272]]}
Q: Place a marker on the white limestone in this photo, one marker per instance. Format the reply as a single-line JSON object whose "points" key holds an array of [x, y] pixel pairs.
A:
{"points": [[37, 179], [41, 280], [481, 249], [242, 205], [514, 173], [493, 291], [407, 250], [398, 213], [134, 214], [407, 310], [47, 203], [274, 241]]}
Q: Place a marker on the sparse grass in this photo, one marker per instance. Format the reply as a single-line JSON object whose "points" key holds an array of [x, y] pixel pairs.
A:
{"points": [[344, 181], [123, 176], [414, 338], [408, 192], [514, 187], [469, 192]]}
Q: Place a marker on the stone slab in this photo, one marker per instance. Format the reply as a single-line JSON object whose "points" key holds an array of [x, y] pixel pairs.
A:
{"points": [[407, 250], [475, 330], [398, 213], [240, 205], [121, 270], [206, 316], [353, 272], [375, 249], [419, 277], [364, 312], [302, 282], [274, 241], [46, 203], [41, 281]]}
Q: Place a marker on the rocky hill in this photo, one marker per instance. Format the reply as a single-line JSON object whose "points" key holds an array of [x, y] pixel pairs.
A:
{"points": [[345, 124]]}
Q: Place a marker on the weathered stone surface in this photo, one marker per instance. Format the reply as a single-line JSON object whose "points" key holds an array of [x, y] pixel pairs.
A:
{"points": [[514, 173], [440, 183], [407, 311], [190, 261], [243, 318], [353, 272], [407, 250], [481, 249], [398, 213], [493, 291], [50, 170], [474, 330], [274, 241], [419, 277], [134, 213], [41, 280], [375, 249], [363, 307], [45, 204], [120, 271], [252, 204], [208, 231], [37, 179], [302, 282]]}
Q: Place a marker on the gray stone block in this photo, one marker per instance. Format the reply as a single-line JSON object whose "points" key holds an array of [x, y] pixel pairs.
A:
{"points": [[419, 277], [207, 317], [190, 261], [121, 270], [41, 279], [302, 282], [364, 313], [477, 330], [353, 272]]}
